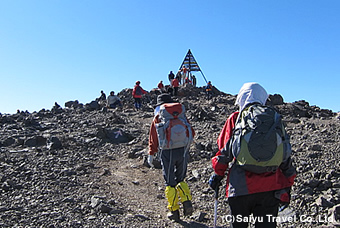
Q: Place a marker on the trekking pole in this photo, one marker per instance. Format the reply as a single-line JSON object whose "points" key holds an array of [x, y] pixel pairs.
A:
{"points": [[215, 208]]}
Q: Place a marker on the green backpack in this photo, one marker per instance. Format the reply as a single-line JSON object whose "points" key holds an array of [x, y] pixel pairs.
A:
{"points": [[259, 142]]}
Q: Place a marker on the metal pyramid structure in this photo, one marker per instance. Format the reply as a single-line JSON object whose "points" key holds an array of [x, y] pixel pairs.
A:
{"points": [[191, 64]]}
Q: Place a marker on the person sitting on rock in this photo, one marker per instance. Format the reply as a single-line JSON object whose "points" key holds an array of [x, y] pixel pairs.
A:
{"points": [[102, 96], [56, 108], [113, 100], [102, 99], [161, 86]]}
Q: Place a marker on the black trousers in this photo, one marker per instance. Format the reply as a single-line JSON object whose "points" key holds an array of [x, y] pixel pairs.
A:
{"points": [[174, 165], [263, 207], [138, 103], [175, 91]]}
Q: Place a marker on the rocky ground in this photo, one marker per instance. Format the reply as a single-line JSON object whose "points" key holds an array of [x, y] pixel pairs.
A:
{"points": [[84, 166]]}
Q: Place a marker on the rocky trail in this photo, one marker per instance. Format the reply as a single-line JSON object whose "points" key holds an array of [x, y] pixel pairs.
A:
{"points": [[84, 166]]}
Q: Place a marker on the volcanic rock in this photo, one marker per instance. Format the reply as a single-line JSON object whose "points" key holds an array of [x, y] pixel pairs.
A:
{"points": [[86, 167]]}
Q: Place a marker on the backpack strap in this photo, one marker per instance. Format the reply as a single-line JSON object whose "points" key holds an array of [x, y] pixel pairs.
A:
{"points": [[275, 124]]}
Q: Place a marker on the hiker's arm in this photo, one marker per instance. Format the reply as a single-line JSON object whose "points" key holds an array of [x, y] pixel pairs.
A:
{"points": [[192, 129], [220, 161], [288, 170], [153, 138], [286, 166], [227, 131], [220, 165], [143, 91]]}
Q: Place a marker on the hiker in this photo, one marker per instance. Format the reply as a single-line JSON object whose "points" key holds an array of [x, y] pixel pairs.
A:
{"points": [[102, 99], [179, 76], [208, 90], [170, 90], [184, 71], [137, 93], [194, 80], [56, 108], [161, 86], [113, 100], [102, 96], [173, 149], [175, 85], [187, 80], [253, 186], [171, 76]]}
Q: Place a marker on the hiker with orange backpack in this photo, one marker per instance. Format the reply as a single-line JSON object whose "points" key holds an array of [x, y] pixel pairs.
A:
{"points": [[171, 135], [254, 154], [137, 93]]}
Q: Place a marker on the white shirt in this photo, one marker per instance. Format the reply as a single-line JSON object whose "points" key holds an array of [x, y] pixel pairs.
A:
{"points": [[112, 99]]}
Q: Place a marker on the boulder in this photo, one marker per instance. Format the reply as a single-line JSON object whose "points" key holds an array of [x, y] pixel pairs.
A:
{"points": [[275, 99]]}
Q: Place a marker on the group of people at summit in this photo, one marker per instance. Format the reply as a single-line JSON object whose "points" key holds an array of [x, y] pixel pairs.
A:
{"points": [[182, 77]]}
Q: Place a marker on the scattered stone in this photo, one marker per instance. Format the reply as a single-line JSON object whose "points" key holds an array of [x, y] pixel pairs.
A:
{"points": [[93, 105], [142, 217], [135, 182], [95, 201], [317, 147], [323, 202], [103, 208], [8, 141], [196, 174], [54, 143], [199, 216], [58, 167]]}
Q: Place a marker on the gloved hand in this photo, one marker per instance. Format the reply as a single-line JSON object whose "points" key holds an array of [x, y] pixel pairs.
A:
{"points": [[215, 181], [150, 160], [283, 195]]}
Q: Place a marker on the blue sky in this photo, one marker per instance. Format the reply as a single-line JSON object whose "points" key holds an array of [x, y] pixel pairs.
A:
{"points": [[62, 50]]}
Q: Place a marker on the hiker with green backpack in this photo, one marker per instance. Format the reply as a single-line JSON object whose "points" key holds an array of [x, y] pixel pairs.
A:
{"points": [[171, 135], [254, 154]]}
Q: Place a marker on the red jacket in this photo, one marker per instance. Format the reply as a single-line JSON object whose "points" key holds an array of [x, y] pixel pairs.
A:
{"points": [[160, 85], [138, 95], [242, 182], [175, 82]]}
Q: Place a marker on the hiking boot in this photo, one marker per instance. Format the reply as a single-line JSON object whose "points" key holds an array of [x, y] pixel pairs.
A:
{"points": [[187, 208], [174, 215]]}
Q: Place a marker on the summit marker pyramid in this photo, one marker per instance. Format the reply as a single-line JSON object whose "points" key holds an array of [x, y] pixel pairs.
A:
{"points": [[191, 64]]}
